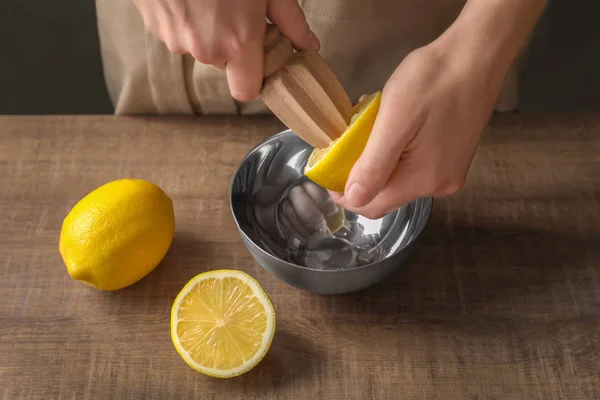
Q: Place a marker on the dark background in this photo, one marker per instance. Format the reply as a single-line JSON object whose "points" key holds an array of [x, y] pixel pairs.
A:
{"points": [[50, 60]]}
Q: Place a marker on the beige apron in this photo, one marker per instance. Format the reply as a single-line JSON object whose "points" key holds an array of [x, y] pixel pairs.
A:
{"points": [[363, 41]]}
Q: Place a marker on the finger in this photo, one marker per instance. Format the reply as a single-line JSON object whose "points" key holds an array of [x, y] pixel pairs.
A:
{"points": [[154, 19], [404, 186], [289, 18], [173, 44], [361, 98], [292, 218], [397, 122], [321, 198], [306, 209], [160, 25], [335, 196], [245, 72], [204, 53], [286, 226]]}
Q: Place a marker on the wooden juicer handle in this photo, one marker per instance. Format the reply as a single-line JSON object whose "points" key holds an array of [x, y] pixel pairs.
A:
{"points": [[301, 90]]}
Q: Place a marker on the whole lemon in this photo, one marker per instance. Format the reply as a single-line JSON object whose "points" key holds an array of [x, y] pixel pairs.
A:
{"points": [[117, 234]]}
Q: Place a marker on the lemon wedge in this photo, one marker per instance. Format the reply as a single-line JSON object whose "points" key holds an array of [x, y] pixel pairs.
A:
{"points": [[329, 167], [222, 323]]}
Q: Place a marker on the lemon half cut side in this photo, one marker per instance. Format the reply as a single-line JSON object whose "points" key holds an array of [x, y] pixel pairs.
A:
{"points": [[222, 323]]}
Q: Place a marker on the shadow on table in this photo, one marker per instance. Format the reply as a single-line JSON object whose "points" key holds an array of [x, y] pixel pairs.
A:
{"points": [[291, 358], [463, 269], [185, 259]]}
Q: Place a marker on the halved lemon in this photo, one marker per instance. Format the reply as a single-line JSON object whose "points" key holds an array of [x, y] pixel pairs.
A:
{"points": [[329, 167], [222, 323]]}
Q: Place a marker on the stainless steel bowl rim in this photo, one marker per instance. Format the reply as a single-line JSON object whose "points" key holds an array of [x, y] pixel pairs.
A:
{"points": [[428, 200]]}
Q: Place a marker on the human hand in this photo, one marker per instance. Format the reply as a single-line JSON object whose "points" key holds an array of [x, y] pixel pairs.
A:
{"points": [[228, 34], [434, 108]]}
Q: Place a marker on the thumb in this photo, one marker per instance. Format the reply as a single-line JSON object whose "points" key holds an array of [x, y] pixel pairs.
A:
{"points": [[405, 185], [291, 22], [394, 127]]}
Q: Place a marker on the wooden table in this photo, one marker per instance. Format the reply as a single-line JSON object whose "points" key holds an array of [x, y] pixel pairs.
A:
{"points": [[500, 301]]}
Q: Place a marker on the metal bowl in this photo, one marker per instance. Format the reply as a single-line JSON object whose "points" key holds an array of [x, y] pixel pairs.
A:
{"points": [[289, 224]]}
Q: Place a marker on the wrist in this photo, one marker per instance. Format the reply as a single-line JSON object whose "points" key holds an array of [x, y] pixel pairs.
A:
{"points": [[490, 34]]}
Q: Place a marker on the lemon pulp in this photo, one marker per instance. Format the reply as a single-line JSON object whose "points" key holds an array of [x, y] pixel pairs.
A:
{"points": [[222, 323]]}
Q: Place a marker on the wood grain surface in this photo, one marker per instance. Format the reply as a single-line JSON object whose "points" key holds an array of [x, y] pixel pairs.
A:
{"points": [[501, 299]]}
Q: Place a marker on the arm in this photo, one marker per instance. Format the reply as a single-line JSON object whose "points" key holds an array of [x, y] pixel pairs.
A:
{"points": [[496, 29], [435, 106]]}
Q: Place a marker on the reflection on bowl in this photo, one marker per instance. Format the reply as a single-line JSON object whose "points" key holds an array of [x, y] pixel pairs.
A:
{"points": [[283, 220]]}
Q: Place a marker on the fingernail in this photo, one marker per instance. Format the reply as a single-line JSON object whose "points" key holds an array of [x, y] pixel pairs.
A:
{"points": [[357, 195]]}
